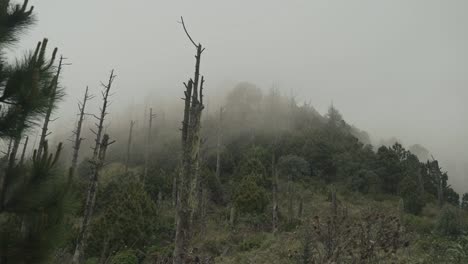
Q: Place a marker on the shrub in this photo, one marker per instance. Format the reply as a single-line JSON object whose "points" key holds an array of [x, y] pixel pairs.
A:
{"points": [[125, 257], [92, 261], [250, 197], [251, 243], [449, 223]]}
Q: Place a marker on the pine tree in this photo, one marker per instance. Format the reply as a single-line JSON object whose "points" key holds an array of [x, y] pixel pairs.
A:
{"points": [[32, 197]]}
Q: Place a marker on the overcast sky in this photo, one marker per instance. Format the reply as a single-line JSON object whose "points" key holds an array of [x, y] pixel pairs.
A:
{"points": [[395, 68]]}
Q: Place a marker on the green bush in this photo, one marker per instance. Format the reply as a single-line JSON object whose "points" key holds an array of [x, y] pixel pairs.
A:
{"points": [[449, 223], [251, 243], [250, 197], [125, 257], [92, 261], [420, 225]]}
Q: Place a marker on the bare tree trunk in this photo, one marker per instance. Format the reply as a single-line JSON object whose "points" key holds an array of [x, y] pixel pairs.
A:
{"points": [[290, 200], [300, 210], [232, 216], [50, 108], [149, 143], [10, 145], [129, 144], [105, 249], [99, 152], [25, 145], [334, 203], [77, 134], [174, 190], [275, 196], [204, 208], [190, 157], [219, 143], [90, 200]]}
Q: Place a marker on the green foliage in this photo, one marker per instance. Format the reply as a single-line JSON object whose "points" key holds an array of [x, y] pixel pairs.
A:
{"points": [[362, 181], [451, 196], [127, 217], [437, 249], [293, 167], [33, 217], [92, 261], [251, 242], [464, 202], [420, 225], [449, 222], [124, 257], [249, 197], [413, 198]]}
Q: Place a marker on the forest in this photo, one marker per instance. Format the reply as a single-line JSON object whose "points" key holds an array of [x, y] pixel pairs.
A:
{"points": [[264, 178]]}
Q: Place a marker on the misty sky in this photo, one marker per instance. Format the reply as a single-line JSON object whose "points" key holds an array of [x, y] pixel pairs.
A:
{"points": [[395, 68]]}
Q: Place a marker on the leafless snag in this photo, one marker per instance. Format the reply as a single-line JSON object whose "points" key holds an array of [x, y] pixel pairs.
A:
{"points": [[77, 133], [275, 196], [219, 143], [129, 144], [52, 99], [148, 143], [25, 145], [190, 157], [99, 152]]}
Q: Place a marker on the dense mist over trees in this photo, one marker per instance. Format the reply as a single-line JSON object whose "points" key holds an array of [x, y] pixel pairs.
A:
{"points": [[235, 174]]}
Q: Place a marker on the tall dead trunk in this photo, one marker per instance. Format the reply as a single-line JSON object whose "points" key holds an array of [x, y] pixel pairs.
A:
{"points": [[99, 152], [149, 143], [334, 202], [105, 250], [219, 143], [77, 133], [10, 145], [50, 108], [174, 190], [23, 153], [129, 145], [290, 199], [275, 195], [203, 212], [190, 157], [232, 216]]}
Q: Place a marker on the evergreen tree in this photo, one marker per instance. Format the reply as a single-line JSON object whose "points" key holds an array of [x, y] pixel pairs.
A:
{"points": [[32, 193], [464, 201]]}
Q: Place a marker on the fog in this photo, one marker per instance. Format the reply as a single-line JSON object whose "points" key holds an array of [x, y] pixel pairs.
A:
{"points": [[393, 68]]}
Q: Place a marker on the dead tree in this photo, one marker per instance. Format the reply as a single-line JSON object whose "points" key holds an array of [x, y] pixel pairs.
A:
{"points": [[435, 169], [129, 144], [10, 144], [290, 199], [77, 133], [300, 209], [334, 202], [148, 143], [275, 195], [97, 161], [54, 95], [25, 145], [190, 156], [174, 190], [219, 144]]}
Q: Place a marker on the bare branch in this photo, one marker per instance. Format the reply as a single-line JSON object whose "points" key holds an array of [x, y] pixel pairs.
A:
{"points": [[186, 32]]}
